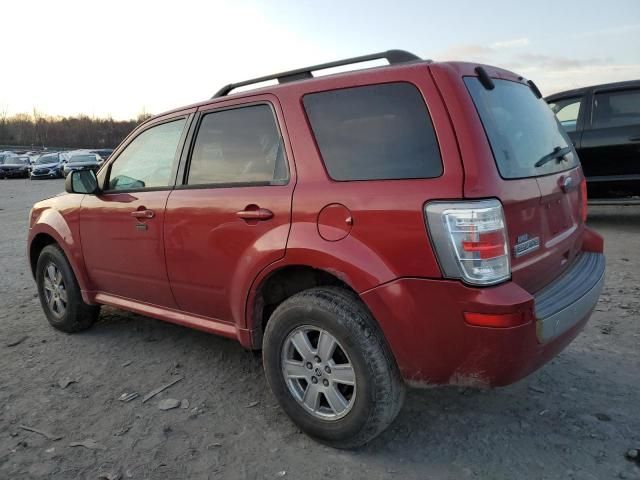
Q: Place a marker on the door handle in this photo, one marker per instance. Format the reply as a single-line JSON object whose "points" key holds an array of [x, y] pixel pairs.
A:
{"points": [[634, 138], [255, 214], [143, 214]]}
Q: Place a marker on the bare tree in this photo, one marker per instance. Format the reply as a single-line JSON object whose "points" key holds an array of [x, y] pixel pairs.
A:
{"points": [[72, 132]]}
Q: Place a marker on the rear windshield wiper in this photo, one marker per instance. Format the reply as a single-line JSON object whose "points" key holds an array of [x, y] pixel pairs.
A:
{"points": [[557, 154]]}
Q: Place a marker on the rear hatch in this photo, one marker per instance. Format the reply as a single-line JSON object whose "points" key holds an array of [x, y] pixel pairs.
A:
{"points": [[539, 180]]}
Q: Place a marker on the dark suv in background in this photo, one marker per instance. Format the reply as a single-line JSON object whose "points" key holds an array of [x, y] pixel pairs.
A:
{"points": [[603, 121]]}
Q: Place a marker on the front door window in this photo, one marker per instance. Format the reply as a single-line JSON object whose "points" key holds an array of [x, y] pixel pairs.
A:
{"points": [[148, 161]]}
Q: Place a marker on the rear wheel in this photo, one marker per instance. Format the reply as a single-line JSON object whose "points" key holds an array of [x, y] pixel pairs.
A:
{"points": [[329, 366], [59, 293]]}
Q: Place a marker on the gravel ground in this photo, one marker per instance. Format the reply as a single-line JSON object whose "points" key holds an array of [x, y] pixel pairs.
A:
{"points": [[575, 418]]}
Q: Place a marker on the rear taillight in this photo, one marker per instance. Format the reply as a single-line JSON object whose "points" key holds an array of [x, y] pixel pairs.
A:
{"points": [[583, 199], [470, 240]]}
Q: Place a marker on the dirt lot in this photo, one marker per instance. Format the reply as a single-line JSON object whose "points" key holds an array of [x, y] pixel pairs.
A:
{"points": [[575, 418]]}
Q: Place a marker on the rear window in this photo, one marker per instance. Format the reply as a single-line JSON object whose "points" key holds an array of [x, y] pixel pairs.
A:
{"points": [[374, 132], [522, 130]]}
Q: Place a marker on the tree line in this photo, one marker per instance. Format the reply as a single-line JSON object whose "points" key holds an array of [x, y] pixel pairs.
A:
{"points": [[37, 131]]}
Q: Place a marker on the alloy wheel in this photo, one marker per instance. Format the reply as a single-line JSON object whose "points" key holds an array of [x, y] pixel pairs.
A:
{"points": [[55, 293], [318, 372]]}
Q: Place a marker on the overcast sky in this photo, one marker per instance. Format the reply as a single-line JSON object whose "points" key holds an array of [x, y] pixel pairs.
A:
{"points": [[120, 58]]}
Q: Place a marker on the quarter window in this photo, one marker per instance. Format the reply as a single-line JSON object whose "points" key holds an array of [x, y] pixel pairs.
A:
{"points": [[238, 146], [374, 132], [616, 109], [148, 161]]}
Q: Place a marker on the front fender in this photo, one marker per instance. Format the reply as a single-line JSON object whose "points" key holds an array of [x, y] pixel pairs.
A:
{"points": [[62, 225]]}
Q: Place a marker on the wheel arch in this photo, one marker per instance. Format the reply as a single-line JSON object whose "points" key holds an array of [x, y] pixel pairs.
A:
{"points": [[43, 234], [36, 246], [282, 282]]}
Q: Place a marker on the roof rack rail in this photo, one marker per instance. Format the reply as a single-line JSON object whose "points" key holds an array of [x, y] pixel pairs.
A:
{"points": [[392, 56]]}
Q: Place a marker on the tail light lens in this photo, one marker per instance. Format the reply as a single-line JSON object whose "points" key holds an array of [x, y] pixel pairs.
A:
{"points": [[470, 240], [583, 197]]}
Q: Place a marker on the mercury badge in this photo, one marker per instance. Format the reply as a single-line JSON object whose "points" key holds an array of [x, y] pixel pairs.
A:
{"points": [[525, 245]]}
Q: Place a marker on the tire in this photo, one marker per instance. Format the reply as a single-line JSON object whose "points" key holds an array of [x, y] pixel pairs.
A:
{"points": [[375, 399], [73, 315]]}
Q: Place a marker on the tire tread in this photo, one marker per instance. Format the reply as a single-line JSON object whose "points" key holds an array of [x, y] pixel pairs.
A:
{"points": [[80, 316]]}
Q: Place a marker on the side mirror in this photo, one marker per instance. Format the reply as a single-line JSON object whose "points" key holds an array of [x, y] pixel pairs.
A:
{"points": [[81, 181]]}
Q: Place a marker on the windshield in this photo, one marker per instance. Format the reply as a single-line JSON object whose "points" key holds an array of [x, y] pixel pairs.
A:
{"points": [[521, 129], [51, 158], [17, 160], [82, 158], [14, 161]]}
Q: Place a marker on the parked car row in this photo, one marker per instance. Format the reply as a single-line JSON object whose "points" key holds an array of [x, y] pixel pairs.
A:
{"points": [[36, 165]]}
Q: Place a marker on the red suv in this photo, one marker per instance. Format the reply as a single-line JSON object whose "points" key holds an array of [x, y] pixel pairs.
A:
{"points": [[413, 224]]}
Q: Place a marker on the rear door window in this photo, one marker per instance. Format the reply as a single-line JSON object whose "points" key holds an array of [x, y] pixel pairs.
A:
{"points": [[522, 130], [616, 109], [567, 111], [238, 146], [374, 132]]}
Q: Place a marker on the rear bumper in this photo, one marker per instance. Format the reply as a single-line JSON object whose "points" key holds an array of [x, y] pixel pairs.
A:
{"points": [[423, 321], [571, 297]]}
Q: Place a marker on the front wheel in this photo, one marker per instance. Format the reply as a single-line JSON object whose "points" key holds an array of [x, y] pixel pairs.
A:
{"points": [[59, 293], [328, 365]]}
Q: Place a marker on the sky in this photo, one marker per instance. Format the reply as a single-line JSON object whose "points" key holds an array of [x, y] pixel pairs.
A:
{"points": [[122, 58]]}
